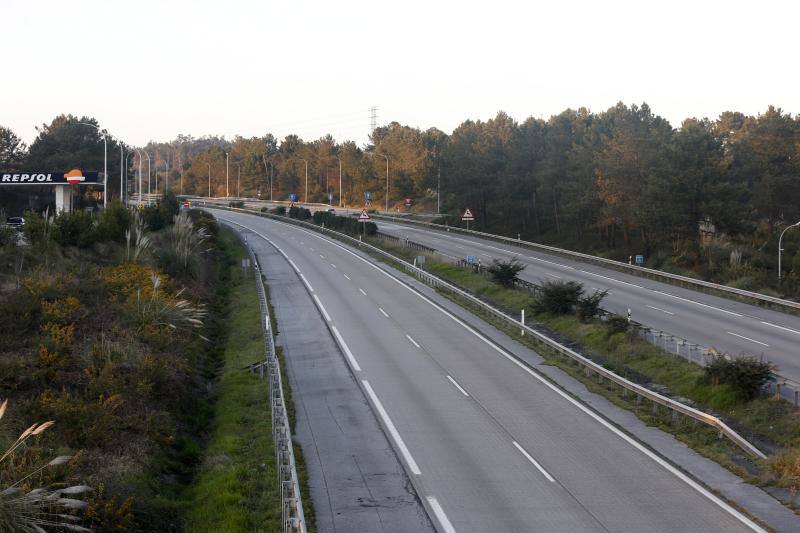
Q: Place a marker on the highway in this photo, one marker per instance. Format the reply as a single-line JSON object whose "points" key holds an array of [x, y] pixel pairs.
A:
{"points": [[489, 444], [726, 325]]}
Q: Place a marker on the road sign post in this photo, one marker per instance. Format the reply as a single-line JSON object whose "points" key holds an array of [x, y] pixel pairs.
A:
{"points": [[467, 216], [362, 219]]}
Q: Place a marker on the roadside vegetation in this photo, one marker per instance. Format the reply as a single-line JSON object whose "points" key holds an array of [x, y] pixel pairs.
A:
{"points": [[118, 337]]}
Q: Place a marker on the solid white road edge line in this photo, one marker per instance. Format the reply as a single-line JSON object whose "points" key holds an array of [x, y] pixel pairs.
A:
{"points": [[384, 312], [322, 308], [345, 349], [781, 327], [412, 464], [302, 277], [347, 277], [624, 436], [535, 463], [447, 527], [412, 340], [454, 382], [662, 310], [748, 339], [362, 291]]}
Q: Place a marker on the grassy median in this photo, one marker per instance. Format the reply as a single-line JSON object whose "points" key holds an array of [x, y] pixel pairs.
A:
{"points": [[236, 488]]}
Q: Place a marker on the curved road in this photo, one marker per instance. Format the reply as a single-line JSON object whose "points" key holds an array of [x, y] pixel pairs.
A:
{"points": [[489, 444]]}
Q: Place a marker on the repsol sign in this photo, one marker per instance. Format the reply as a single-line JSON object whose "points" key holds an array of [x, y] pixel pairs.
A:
{"points": [[73, 177]]}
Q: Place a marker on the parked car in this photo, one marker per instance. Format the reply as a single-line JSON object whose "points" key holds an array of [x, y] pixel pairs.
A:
{"points": [[15, 222]]}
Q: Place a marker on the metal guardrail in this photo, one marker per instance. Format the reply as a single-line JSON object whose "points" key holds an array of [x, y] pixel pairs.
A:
{"points": [[589, 366], [675, 279], [292, 515]]}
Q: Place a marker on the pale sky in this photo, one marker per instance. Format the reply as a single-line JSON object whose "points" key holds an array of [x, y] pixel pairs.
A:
{"points": [[155, 69]]}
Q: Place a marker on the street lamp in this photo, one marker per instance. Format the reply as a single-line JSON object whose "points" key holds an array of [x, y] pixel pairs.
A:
{"points": [[780, 249], [306, 162], [209, 180], [264, 157], [105, 158], [341, 204], [387, 181], [239, 179], [148, 178], [227, 194]]}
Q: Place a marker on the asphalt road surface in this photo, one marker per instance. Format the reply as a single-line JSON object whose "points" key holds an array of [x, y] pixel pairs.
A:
{"points": [[488, 443]]}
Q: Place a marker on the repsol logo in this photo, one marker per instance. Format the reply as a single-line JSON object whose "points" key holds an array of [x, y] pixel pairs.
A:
{"points": [[26, 178]]}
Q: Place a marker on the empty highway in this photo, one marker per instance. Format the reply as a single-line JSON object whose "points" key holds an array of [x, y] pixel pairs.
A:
{"points": [[489, 444]]}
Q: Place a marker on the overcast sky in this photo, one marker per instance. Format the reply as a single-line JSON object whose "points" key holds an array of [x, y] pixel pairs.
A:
{"points": [[155, 69]]}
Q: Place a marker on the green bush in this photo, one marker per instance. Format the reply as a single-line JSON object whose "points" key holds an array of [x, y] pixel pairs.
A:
{"points": [[36, 228], [558, 297], [617, 324], [588, 307], [349, 225], [300, 213], [280, 210], [747, 376], [236, 203], [75, 229], [506, 273], [114, 220]]}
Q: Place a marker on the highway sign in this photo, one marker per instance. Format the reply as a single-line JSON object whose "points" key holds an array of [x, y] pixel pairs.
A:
{"points": [[639, 259], [364, 216], [467, 215], [408, 202], [367, 196], [293, 197], [470, 259]]}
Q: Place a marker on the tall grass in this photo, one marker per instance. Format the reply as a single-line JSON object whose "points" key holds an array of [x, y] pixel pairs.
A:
{"points": [[36, 509]]}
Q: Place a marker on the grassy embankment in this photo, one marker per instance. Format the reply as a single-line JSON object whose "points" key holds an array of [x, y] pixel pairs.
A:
{"points": [[237, 485]]}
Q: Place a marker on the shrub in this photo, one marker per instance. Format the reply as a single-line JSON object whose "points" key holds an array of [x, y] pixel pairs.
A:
{"points": [[506, 273], [280, 210], [178, 253], [300, 213], [236, 203], [37, 228], [617, 324], [786, 465], [588, 307], [75, 229], [558, 297], [114, 222], [745, 375]]}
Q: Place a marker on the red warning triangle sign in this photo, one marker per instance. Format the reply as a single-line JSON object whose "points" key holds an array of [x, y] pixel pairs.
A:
{"points": [[467, 215], [363, 216]]}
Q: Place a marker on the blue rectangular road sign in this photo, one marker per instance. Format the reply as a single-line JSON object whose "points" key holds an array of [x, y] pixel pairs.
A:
{"points": [[367, 196], [639, 259], [470, 259], [293, 197]]}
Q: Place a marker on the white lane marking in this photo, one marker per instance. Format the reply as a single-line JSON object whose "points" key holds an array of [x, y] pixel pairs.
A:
{"points": [[553, 275], [384, 312], [447, 527], [485, 255], [662, 310], [412, 465], [781, 327], [454, 382], [412, 340], [322, 256], [748, 339], [334, 266], [347, 277], [599, 419], [362, 291], [310, 248], [612, 279], [460, 247], [322, 308], [536, 464], [698, 303], [345, 349], [302, 277]]}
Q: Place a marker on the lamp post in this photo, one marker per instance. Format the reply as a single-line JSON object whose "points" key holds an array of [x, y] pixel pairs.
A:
{"points": [[780, 249], [209, 180], [227, 194], [148, 176], [264, 158], [155, 189], [239, 180], [387, 181], [341, 203], [105, 158], [306, 162]]}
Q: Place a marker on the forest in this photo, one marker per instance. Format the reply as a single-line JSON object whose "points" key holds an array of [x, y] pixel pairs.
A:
{"points": [[705, 198]]}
